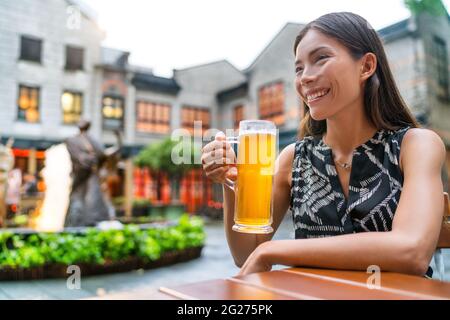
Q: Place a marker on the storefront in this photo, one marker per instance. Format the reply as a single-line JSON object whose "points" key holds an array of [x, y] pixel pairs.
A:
{"points": [[26, 186], [195, 190]]}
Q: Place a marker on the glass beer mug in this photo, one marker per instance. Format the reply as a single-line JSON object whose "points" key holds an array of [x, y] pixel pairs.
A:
{"points": [[255, 163]]}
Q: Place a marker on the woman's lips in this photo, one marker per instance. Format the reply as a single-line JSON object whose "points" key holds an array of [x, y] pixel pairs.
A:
{"points": [[316, 99]]}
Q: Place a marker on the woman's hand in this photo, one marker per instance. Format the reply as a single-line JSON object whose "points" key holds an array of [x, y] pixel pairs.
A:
{"points": [[258, 261], [219, 160]]}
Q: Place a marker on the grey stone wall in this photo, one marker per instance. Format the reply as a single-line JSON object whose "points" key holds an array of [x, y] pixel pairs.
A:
{"points": [[201, 84], [226, 112], [47, 20], [406, 58], [430, 26], [276, 63]]}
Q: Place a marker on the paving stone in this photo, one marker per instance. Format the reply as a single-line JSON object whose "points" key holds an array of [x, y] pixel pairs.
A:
{"points": [[4, 296], [58, 288], [25, 291]]}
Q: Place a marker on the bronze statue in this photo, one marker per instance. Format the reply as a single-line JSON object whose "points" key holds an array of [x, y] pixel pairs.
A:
{"points": [[88, 203]]}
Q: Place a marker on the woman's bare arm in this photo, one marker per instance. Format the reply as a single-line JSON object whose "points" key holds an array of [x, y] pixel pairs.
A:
{"points": [[242, 245], [408, 248]]}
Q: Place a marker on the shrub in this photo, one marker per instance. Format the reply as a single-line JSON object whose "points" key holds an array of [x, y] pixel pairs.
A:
{"points": [[97, 246]]}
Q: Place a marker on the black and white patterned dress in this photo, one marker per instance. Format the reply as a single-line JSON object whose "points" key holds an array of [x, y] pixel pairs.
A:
{"points": [[318, 204]]}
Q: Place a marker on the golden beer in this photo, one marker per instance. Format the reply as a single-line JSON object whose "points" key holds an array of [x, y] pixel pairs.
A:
{"points": [[255, 166]]}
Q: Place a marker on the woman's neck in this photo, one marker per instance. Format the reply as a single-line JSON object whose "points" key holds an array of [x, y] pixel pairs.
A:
{"points": [[348, 129]]}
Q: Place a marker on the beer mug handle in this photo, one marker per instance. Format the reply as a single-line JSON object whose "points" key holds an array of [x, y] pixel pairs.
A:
{"points": [[229, 183]]}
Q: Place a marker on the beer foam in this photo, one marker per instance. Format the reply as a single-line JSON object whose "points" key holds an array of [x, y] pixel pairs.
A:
{"points": [[257, 131]]}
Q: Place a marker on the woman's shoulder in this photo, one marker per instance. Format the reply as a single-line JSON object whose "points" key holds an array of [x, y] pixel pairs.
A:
{"points": [[421, 144], [287, 154], [421, 134], [417, 138], [421, 139]]}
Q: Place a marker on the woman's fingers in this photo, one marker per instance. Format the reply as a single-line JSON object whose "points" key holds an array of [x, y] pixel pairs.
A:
{"points": [[231, 174], [217, 175], [225, 156], [217, 156], [220, 136], [213, 165], [216, 144], [219, 142], [213, 156]]}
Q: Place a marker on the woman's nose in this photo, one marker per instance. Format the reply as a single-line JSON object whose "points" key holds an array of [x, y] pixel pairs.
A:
{"points": [[301, 82], [307, 76]]}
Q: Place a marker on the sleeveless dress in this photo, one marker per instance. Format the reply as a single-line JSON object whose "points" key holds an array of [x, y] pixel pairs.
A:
{"points": [[318, 205]]}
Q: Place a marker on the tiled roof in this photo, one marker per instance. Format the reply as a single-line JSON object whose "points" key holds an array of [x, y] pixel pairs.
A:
{"points": [[114, 57], [231, 93], [150, 82], [395, 31]]}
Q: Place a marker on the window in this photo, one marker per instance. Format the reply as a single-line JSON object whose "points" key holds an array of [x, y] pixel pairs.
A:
{"points": [[238, 115], [74, 58], [112, 110], [440, 56], [153, 117], [191, 114], [72, 106], [271, 103], [28, 104], [30, 49]]}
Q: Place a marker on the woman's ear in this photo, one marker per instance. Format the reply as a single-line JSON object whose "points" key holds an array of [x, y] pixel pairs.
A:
{"points": [[368, 66]]}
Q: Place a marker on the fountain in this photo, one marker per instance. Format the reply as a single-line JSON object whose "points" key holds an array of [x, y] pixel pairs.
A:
{"points": [[58, 181]]}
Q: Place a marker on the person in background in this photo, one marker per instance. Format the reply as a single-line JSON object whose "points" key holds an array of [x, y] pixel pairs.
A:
{"points": [[29, 187]]}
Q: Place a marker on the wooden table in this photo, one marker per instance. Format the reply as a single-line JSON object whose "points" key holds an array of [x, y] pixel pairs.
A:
{"points": [[304, 283]]}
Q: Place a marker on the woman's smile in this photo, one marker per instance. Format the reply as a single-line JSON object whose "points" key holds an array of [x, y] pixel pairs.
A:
{"points": [[314, 98]]}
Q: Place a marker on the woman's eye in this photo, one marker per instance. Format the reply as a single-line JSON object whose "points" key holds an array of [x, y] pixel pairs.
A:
{"points": [[299, 69], [321, 57]]}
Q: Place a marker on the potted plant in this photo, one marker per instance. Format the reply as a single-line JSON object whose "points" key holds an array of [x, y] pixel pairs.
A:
{"points": [[213, 210], [158, 158], [141, 207]]}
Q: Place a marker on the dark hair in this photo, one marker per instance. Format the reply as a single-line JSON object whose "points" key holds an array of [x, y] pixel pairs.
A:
{"points": [[383, 103], [84, 125]]}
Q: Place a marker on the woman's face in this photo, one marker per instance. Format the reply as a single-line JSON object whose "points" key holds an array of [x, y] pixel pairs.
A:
{"points": [[328, 78]]}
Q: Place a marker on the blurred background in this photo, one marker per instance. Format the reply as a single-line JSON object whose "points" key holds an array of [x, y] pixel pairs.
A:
{"points": [[146, 68]]}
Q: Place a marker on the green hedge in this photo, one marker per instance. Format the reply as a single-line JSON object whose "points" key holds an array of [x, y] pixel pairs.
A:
{"points": [[96, 246]]}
